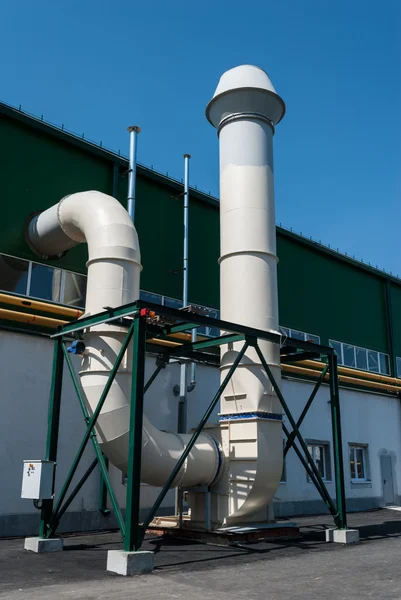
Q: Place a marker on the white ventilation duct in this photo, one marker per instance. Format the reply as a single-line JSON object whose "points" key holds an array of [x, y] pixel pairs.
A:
{"points": [[113, 279], [244, 109]]}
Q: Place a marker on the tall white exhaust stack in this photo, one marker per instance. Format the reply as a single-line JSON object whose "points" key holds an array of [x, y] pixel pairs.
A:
{"points": [[244, 109]]}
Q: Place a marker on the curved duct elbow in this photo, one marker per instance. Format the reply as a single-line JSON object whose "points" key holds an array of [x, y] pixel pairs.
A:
{"points": [[114, 266]]}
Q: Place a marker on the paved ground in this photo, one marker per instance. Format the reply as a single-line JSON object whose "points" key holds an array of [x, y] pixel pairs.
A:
{"points": [[309, 569]]}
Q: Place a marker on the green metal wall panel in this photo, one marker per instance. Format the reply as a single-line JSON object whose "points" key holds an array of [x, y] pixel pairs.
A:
{"points": [[36, 170], [395, 292], [160, 225], [319, 292]]}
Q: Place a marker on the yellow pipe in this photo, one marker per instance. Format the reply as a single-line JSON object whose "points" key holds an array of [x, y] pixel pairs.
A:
{"points": [[342, 378], [12, 315], [158, 342], [74, 313], [353, 372]]}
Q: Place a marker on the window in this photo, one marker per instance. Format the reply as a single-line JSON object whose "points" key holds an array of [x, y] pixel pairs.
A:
{"points": [[361, 358], [14, 274], [149, 297], [172, 302], [72, 289], [320, 452], [210, 331], [300, 335], [29, 278], [358, 462]]}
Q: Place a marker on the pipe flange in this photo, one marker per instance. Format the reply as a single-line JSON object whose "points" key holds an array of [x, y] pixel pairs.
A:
{"points": [[244, 115]]}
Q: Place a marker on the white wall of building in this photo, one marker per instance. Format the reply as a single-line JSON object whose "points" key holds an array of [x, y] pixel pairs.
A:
{"points": [[367, 419]]}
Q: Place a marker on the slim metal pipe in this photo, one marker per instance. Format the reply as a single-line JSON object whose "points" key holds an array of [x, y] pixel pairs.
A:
{"points": [[186, 220], [192, 383], [133, 133], [182, 404]]}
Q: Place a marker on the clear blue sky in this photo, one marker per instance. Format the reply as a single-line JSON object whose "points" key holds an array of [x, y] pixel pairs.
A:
{"points": [[98, 66]]}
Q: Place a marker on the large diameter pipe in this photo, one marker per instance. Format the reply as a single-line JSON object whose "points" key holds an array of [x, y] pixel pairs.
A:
{"points": [[244, 109], [113, 280]]}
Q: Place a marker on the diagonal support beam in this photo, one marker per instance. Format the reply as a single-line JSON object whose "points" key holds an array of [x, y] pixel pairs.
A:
{"points": [[292, 435], [292, 421], [192, 441], [322, 490], [91, 423]]}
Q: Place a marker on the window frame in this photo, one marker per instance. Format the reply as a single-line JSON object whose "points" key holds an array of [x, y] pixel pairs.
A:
{"points": [[352, 446], [287, 332], [325, 445], [367, 351]]}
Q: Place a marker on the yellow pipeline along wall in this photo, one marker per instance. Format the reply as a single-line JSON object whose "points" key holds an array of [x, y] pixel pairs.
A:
{"points": [[307, 368]]}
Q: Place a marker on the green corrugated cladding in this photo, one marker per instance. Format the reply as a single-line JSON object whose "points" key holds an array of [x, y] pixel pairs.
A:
{"points": [[322, 294], [319, 291], [396, 317]]}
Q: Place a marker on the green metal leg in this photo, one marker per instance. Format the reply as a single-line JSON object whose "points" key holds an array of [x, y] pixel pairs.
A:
{"points": [[337, 442], [133, 538], [53, 421], [103, 491]]}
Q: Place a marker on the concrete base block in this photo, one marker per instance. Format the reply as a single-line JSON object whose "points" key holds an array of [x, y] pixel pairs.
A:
{"points": [[342, 536], [130, 563], [36, 544]]}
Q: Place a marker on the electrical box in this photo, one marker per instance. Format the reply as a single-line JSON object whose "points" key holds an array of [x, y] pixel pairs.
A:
{"points": [[37, 479]]}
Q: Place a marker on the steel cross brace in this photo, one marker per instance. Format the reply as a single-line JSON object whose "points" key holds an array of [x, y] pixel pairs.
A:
{"points": [[338, 512]]}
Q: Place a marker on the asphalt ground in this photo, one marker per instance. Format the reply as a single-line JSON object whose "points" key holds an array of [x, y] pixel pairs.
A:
{"points": [[306, 569]]}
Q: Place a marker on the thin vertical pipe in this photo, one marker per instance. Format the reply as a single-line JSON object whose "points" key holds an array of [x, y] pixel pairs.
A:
{"points": [[133, 132], [186, 221], [182, 403]]}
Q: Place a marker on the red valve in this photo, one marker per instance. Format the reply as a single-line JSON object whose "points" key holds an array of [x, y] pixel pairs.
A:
{"points": [[146, 312]]}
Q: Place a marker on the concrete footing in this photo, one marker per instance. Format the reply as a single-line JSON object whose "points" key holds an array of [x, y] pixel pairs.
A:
{"points": [[130, 563], [37, 544], [342, 536]]}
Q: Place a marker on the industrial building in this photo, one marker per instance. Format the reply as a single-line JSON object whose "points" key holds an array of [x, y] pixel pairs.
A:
{"points": [[324, 297]]}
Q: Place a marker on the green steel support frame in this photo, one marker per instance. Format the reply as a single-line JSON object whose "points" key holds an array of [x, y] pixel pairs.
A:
{"points": [[132, 531], [53, 422]]}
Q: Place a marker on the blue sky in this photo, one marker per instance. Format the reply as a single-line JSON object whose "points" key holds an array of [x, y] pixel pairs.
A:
{"points": [[98, 66]]}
